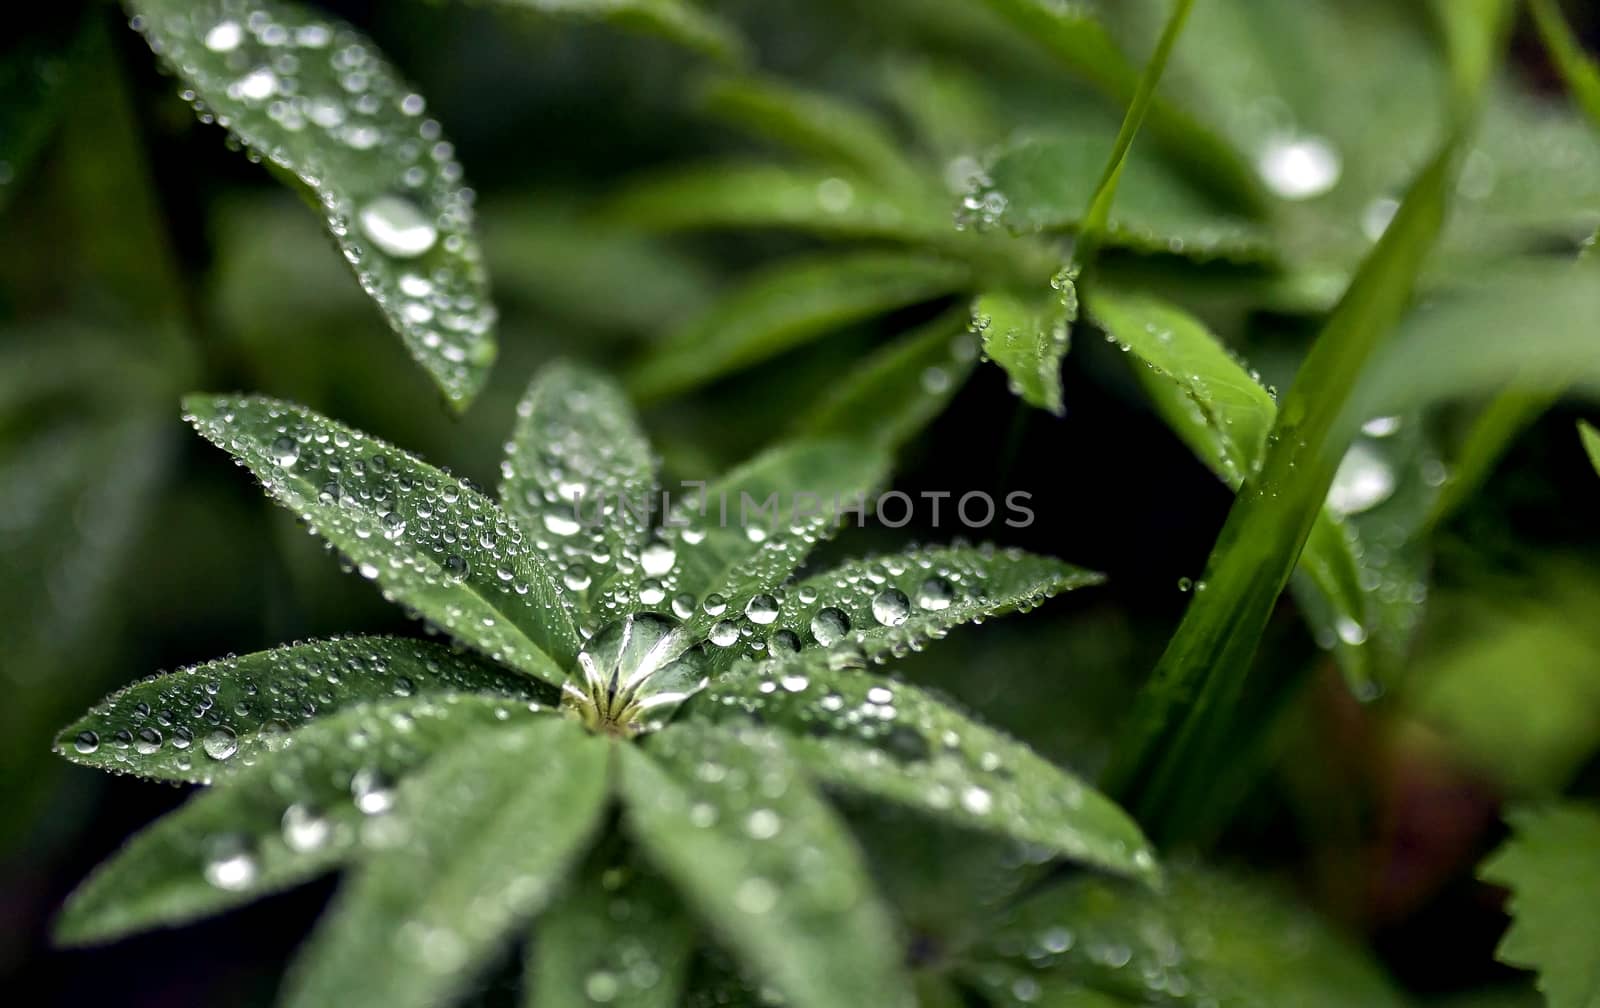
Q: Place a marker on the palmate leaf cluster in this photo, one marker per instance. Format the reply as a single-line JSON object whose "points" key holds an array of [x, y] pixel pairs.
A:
{"points": [[625, 747]]}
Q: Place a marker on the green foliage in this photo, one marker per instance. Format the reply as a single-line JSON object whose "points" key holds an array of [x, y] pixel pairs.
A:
{"points": [[1552, 866]]}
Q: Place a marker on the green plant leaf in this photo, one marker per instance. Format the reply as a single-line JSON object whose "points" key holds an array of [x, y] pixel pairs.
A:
{"points": [[1010, 987], [1577, 69], [678, 21], [892, 604], [743, 534], [490, 827], [355, 134], [617, 937], [1591, 443], [731, 820], [320, 796], [1207, 939], [1046, 181], [1360, 580], [1028, 337], [888, 740], [215, 720], [745, 195], [35, 73], [578, 476], [1552, 866], [430, 540], [829, 130], [788, 304], [1185, 713], [896, 391]]}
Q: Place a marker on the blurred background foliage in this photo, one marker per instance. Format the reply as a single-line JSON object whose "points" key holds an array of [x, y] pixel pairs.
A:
{"points": [[736, 226]]}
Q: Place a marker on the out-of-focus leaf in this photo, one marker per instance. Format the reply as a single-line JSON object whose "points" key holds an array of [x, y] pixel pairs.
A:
{"points": [[896, 391], [679, 21], [744, 533], [216, 720], [1360, 579], [1207, 939], [1028, 337], [744, 195], [578, 475], [1578, 70], [1552, 866], [489, 828], [34, 73], [1591, 443], [889, 740], [788, 304], [314, 98], [1530, 731], [732, 821], [1490, 434], [318, 796], [896, 603], [430, 540], [617, 937], [819, 126], [1044, 182], [1010, 987]]}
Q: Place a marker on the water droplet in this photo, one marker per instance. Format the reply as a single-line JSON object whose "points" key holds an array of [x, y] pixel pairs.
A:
{"points": [[890, 607], [86, 743], [456, 567], [224, 36], [715, 605], [1298, 167], [657, 559], [762, 610], [755, 895], [1363, 481], [147, 741], [220, 743], [373, 792], [257, 85], [397, 227], [829, 626], [762, 824], [304, 829], [231, 864], [601, 987], [977, 800], [723, 633], [935, 594], [1382, 426]]}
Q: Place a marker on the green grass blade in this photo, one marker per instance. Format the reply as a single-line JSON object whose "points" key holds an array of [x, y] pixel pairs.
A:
{"points": [[890, 741], [383, 175], [1577, 68], [730, 818], [491, 826], [430, 541], [304, 806], [213, 721]]}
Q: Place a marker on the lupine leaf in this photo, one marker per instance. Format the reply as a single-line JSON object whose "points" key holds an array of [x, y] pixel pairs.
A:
{"points": [[578, 475], [1207, 939], [744, 195], [490, 827], [830, 130], [345, 124], [618, 937], [1362, 598], [1028, 338], [1044, 182], [731, 820], [1591, 443], [679, 21], [320, 796], [861, 733], [893, 394], [216, 720], [895, 603], [786, 305], [430, 540], [1552, 866], [746, 532]]}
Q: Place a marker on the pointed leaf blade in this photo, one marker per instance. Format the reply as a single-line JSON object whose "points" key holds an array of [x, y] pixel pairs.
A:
{"points": [[787, 305], [346, 125], [1028, 337], [490, 826], [618, 937], [1591, 443], [859, 732], [430, 540], [1552, 866], [212, 721], [743, 535], [895, 603], [318, 798], [578, 475], [729, 818]]}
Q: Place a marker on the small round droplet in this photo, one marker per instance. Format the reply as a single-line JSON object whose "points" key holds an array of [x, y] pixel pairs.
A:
{"points": [[762, 610], [456, 567], [285, 451], [724, 633], [829, 626], [935, 594], [86, 743], [147, 741], [220, 743], [224, 36], [890, 607], [657, 559], [231, 864], [372, 791], [305, 829]]}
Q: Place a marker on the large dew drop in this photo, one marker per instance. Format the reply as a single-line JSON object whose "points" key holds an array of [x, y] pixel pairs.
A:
{"points": [[1364, 480], [1298, 167], [634, 674], [397, 227]]}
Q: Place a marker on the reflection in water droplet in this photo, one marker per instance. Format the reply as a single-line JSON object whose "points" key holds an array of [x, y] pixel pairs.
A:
{"points": [[397, 227], [762, 610], [1298, 167], [220, 743], [1381, 426], [890, 607], [86, 742], [935, 594], [225, 36], [372, 791], [829, 626]]}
